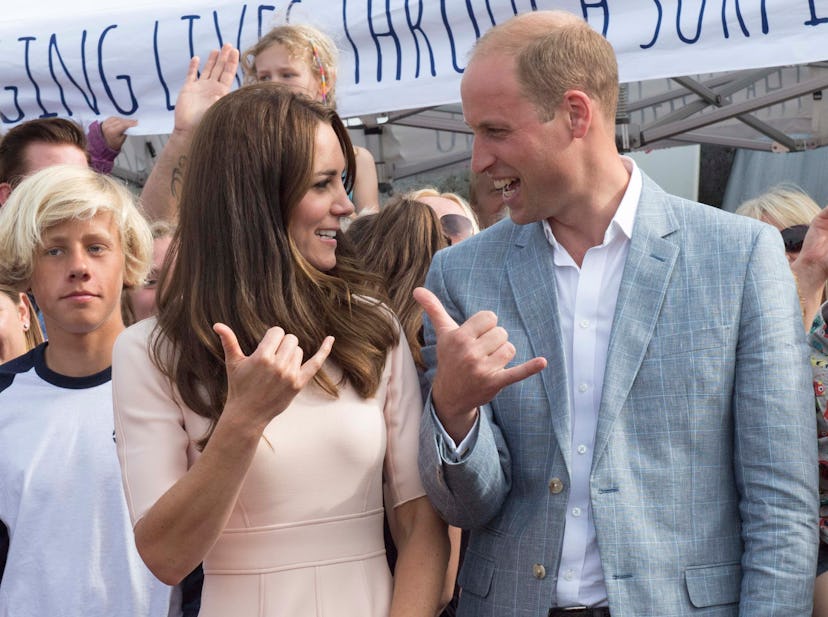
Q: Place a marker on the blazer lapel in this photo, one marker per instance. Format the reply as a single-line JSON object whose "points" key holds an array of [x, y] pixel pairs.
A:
{"points": [[650, 262], [531, 275]]}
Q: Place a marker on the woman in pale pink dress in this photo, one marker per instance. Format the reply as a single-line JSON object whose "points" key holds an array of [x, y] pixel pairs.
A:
{"points": [[261, 416]]}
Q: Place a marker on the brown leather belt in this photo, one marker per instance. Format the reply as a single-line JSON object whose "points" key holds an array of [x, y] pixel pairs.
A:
{"points": [[579, 611]]}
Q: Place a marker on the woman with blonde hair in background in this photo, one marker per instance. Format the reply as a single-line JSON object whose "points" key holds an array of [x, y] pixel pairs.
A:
{"points": [[454, 213], [19, 328], [791, 210], [305, 59]]}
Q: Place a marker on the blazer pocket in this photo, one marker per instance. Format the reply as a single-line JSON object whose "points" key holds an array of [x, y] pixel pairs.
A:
{"points": [[690, 341], [476, 574], [712, 585]]}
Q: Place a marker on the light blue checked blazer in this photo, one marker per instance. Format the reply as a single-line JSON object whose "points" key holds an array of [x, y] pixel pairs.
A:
{"points": [[704, 477]]}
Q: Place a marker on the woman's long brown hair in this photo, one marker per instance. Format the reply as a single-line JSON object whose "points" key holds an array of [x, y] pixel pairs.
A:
{"points": [[250, 165], [398, 244]]}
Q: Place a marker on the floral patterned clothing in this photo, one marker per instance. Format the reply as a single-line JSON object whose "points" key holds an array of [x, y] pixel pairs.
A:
{"points": [[818, 340]]}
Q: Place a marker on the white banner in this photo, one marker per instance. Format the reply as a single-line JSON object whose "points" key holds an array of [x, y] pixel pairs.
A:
{"points": [[89, 60]]}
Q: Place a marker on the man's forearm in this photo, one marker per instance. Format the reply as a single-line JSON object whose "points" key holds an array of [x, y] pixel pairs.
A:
{"points": [[162, 189]]}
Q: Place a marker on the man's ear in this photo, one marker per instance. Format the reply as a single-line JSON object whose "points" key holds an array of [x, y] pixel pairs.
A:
{"points": [[580, 109], [5, 191]]}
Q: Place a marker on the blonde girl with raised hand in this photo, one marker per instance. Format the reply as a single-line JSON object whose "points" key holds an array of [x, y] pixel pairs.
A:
{"points": [[305, 59]]}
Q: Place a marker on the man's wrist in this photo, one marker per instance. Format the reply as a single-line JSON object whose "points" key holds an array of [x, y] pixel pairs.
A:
{"points": [[809, 276], [458, 426]]}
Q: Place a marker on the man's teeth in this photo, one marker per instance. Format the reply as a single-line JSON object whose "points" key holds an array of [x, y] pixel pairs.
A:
{"points": [[502, 183], [506, 186], [326, 233]]}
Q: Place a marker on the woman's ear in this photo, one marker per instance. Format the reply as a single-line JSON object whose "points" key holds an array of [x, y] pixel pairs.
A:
{"points": [[23, 311], [5, 191]]}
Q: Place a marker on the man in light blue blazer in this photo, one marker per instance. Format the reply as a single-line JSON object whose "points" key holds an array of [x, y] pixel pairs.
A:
{"points": [[621, 409]]}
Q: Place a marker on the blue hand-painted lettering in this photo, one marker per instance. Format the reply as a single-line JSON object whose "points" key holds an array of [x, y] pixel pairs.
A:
{"points": [[126, 111]]}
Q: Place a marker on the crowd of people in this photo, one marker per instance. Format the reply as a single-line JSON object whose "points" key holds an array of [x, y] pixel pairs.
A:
{"points": [[257, 391]]}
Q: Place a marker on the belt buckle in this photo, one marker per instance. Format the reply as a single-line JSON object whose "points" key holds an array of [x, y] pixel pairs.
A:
{"points": [[567, 609]]}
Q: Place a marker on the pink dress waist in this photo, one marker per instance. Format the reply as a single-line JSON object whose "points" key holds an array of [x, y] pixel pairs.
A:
{"points": [[256, 550]]}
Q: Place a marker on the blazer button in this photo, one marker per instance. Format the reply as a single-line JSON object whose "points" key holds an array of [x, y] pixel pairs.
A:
{"points": [[539, 571], [555, 486]]}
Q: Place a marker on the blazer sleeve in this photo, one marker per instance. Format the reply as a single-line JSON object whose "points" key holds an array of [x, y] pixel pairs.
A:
{"points": [[775, 445], [468, 493]]}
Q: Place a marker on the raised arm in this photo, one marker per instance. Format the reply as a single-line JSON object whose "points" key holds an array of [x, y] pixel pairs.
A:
{"points": [[176, 528], [811, 268], [163, 187], [105, 141], [366, 187], [467, 368], [471, 364]]}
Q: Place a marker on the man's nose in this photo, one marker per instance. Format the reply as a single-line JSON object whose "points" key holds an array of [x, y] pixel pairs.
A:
{"points": [[481, 158], [79, 265]]}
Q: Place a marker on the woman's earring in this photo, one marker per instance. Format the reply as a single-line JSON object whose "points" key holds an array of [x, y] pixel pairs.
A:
{"points": [[25, 327]]}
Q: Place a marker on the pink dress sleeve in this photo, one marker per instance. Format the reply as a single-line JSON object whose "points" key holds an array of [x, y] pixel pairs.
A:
{"points": [[153, 446], [403, 409]]}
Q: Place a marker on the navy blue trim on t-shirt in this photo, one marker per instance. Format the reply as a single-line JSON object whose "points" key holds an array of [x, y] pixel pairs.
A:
{"points": [[15, 366], [36, 359], [64, 381]]}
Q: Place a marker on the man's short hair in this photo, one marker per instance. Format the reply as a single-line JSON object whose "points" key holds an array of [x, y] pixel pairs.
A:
{"points": [[556, 51], [57, 131], [62, 193]]}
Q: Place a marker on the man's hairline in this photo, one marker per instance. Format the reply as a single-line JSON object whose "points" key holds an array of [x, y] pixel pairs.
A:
{"points": [[27, 171], [513, 56]]}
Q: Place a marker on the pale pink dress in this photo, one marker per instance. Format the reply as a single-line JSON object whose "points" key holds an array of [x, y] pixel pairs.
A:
{"points": [[305, 537]]}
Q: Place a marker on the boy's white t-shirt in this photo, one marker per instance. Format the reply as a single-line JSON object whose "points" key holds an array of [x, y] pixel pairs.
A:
{"points": [[71, 549]]}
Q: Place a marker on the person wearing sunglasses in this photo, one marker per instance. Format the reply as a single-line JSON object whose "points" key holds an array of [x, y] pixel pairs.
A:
{"points": [[456, 217], [791, 210], [793, 238], [486, 200]]}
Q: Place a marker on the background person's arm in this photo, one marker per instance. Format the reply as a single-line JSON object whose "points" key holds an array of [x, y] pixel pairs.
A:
{"points": [[366, 186], [162, 189], [811, 268], [422, 557]]}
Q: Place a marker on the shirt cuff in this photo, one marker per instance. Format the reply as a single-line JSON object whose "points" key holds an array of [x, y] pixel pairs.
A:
{"points": [[450, 451]]}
